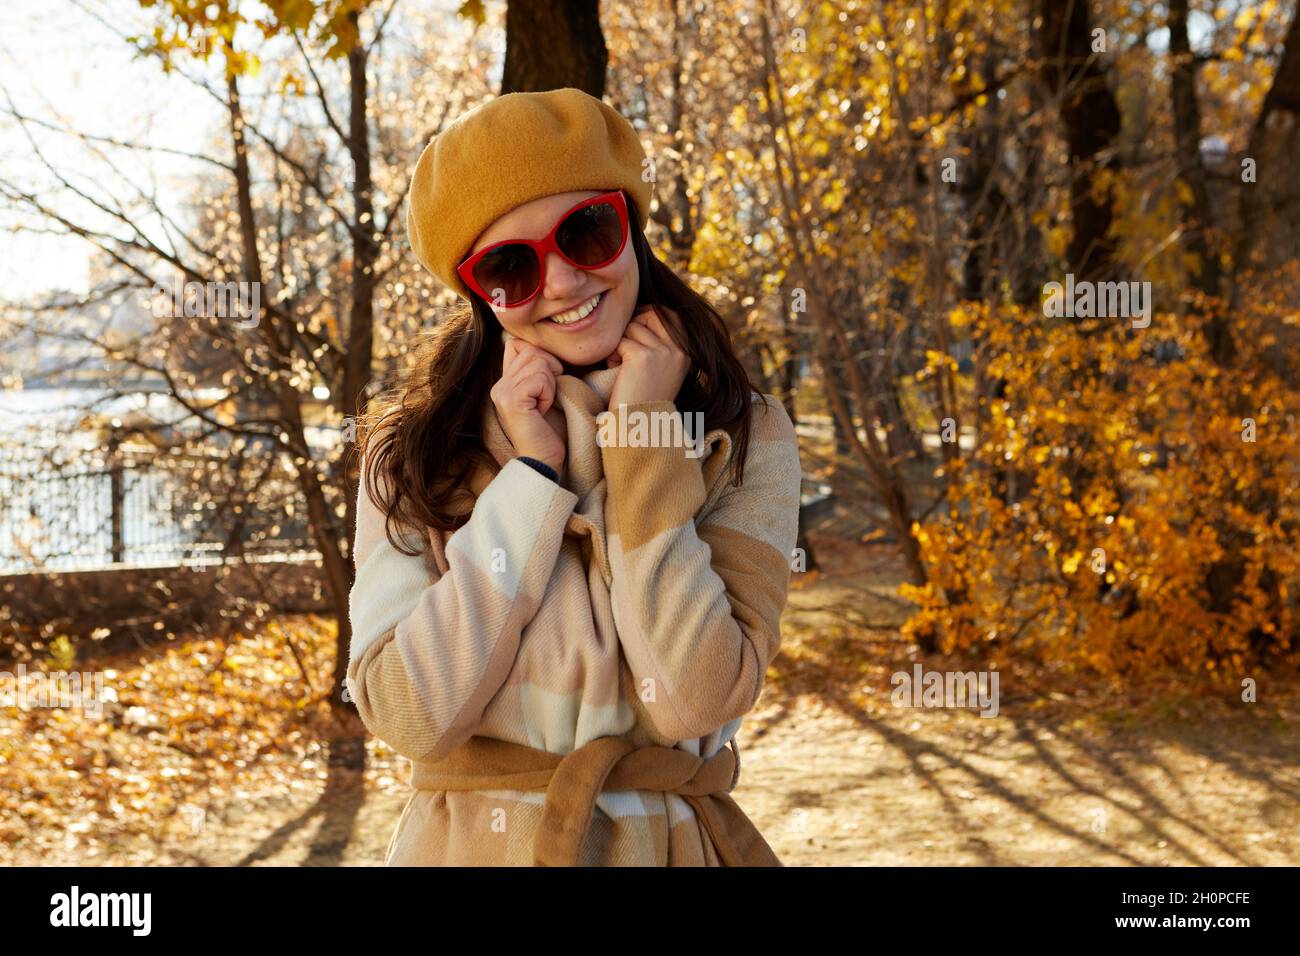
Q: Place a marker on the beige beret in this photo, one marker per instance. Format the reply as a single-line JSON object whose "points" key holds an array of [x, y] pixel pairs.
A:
{"points": [[511, 150]]}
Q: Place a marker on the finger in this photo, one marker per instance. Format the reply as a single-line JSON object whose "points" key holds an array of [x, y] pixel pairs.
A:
{"points": [[628, 349], [528, 348], [668, 322], [536, 363], [526, 384], [535, 386], [541, 359], [547, 397], [517, 355], [511, 352], [639, 333], [655, 323], [643, 315], [545, 357]]}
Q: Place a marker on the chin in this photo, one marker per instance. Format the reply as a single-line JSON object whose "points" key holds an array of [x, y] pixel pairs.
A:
{"points": [[587, 347], [590, 350]]}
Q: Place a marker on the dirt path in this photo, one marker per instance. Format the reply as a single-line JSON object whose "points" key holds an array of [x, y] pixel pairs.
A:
{"points": [[957, 789], [926, 787], [833, 774]]}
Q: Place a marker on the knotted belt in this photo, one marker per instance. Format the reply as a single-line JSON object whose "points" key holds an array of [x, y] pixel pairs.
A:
{"points": [[572, 781]]}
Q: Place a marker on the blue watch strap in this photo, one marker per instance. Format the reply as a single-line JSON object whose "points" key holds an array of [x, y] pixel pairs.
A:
{"points": [[541, 467]]}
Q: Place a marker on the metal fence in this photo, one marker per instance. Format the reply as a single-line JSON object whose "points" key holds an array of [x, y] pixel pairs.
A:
{"points": [[65, 508]]}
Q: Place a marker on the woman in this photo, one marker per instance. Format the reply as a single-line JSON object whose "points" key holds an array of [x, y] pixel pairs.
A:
{"points": [[566, 600]]}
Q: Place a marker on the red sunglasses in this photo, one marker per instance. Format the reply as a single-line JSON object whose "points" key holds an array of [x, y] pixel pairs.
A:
{"points": [[511, 272]]}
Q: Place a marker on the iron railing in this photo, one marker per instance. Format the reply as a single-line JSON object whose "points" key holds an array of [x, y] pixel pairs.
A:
{"points": [[65, 508]]}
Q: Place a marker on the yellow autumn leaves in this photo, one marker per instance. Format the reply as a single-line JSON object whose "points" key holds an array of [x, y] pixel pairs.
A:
{"points": [[1107, 496]]}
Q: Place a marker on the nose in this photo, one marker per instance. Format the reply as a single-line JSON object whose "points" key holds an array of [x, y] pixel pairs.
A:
{"points": [[562, 278]]}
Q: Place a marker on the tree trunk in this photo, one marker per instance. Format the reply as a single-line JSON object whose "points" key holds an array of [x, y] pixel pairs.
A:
{"points": [[1270, 206], [360, 341], [674, 210], [338, 576], [1091, 119], [1199, 220], [551, 44]]}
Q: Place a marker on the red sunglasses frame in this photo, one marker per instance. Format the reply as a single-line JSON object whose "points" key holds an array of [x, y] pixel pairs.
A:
{"points": [[547, 244]]}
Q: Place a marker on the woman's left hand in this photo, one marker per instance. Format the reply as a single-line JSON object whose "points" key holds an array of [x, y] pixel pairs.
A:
{"points": [[651, 365]]}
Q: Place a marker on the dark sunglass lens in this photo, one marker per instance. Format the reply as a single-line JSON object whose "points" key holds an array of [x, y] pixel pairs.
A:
{"points": [[591, 235], [508, 274]]}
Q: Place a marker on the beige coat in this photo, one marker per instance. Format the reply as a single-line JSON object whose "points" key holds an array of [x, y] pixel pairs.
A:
{"points": [[640, 601]]}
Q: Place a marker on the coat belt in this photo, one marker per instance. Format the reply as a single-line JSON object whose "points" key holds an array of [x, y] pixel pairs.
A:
{"points": [[572, 782]]}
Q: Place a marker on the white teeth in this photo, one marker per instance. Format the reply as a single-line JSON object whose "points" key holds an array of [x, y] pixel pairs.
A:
{"points": [[576, 315]]}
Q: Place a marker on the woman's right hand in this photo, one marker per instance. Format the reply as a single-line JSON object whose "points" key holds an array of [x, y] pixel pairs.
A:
{"points": [[523, 395]]}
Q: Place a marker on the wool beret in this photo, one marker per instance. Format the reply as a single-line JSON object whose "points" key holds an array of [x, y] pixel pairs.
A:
{"points": [[511, 150]]}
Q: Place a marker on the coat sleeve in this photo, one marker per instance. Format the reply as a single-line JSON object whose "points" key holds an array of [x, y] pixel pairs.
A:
{"points": [[698, 604], [429, 651]]}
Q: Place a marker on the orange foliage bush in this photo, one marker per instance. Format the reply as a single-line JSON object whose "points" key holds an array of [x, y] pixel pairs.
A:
{"points": [[1113, 514]]}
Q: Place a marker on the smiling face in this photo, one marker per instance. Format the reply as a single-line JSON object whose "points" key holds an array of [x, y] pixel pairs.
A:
{"points": [[567, 292]]}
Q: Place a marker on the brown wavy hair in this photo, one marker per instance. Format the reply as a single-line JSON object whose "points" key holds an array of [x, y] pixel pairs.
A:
{"points": [[422, 435]]}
